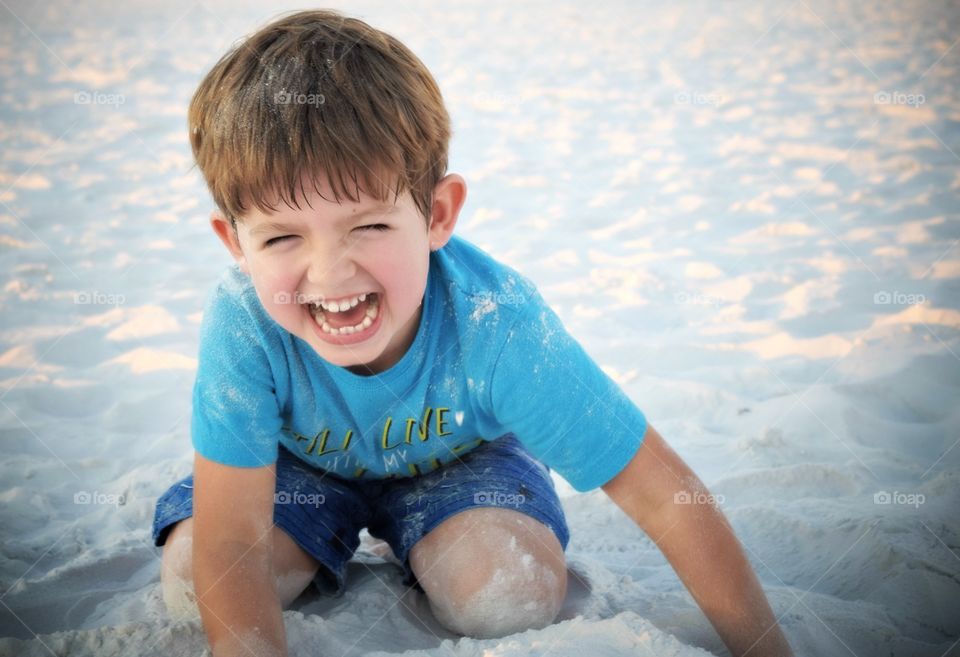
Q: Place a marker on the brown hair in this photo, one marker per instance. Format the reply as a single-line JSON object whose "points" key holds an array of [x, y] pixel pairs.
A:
{"points": [[318, 94]]}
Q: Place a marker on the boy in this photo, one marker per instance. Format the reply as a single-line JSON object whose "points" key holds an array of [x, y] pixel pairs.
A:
{"points": [[360, 366]]}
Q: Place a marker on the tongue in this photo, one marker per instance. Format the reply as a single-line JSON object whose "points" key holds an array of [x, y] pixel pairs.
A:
{"points": [[350, 317]]}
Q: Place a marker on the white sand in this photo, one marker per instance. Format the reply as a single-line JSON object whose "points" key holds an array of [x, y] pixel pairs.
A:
{"points": [[762, 250]]}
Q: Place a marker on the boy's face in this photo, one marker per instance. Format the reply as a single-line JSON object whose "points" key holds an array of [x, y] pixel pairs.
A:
{"points": [[336, 252]]}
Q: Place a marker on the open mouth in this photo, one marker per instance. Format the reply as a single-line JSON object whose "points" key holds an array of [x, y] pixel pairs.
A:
{"points": [[350, 320]]}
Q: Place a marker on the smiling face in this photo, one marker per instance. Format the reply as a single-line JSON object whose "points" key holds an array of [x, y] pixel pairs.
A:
{"points": [[347, 278]]}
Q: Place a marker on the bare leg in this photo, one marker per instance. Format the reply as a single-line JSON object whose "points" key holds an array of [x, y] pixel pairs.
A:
{"points": [[489, 572], [294, 569]]}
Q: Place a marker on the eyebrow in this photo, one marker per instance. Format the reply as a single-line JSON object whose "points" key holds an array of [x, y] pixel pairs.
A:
{"points": [[270, 226]]}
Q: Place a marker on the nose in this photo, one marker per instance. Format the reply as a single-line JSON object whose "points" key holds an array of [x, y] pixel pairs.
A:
{"points": [[329, 268]]}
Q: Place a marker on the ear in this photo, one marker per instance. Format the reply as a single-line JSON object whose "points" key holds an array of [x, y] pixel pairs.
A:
{"points": [[448, 197], [225, 230]]}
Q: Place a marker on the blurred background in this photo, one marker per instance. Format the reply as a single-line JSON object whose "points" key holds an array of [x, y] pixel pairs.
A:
{"points": [[746, 212]]}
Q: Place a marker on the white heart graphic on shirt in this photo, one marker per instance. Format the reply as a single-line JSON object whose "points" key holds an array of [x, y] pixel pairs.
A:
{"points": [[458, 416]]}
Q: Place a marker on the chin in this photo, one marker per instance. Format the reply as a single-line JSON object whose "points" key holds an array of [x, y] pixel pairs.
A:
{"points": [[348, 361]]}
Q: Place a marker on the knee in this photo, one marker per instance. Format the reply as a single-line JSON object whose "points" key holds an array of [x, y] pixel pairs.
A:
{"points": [[500, 579], [293, 570], [506, 601], [176, 574]]}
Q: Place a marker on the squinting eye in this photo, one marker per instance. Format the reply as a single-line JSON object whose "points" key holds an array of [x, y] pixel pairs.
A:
{"points": [[275, 240], [377, 227]]}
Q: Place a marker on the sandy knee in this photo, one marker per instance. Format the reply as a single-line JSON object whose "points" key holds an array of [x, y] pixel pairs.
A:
{"points": [[501, 579], [511, 600], [176, 572], [294, 570]]}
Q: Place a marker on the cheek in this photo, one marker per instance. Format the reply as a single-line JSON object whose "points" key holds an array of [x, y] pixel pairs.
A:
{"points": [[404, 275], [276, 291]]}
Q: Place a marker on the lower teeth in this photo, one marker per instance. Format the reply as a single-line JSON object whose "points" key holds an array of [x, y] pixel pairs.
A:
{"points": [[371, 315]]}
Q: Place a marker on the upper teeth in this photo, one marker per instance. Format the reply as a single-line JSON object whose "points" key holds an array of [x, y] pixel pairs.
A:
{"points": [[339, 307]]}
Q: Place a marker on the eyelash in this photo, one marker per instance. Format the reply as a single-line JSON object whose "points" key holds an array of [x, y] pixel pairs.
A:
{"points": [[376, 227]]}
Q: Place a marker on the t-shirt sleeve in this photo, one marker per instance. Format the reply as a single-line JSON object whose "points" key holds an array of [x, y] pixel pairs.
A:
{"points": [[571, 416], [236, 418]]}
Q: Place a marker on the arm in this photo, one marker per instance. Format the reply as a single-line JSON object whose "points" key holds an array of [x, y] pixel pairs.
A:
{"points": [[233, 559], [700, 545]]}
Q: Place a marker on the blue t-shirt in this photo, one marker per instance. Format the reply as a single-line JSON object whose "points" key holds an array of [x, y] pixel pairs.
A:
{"points": [[489, 358]]}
